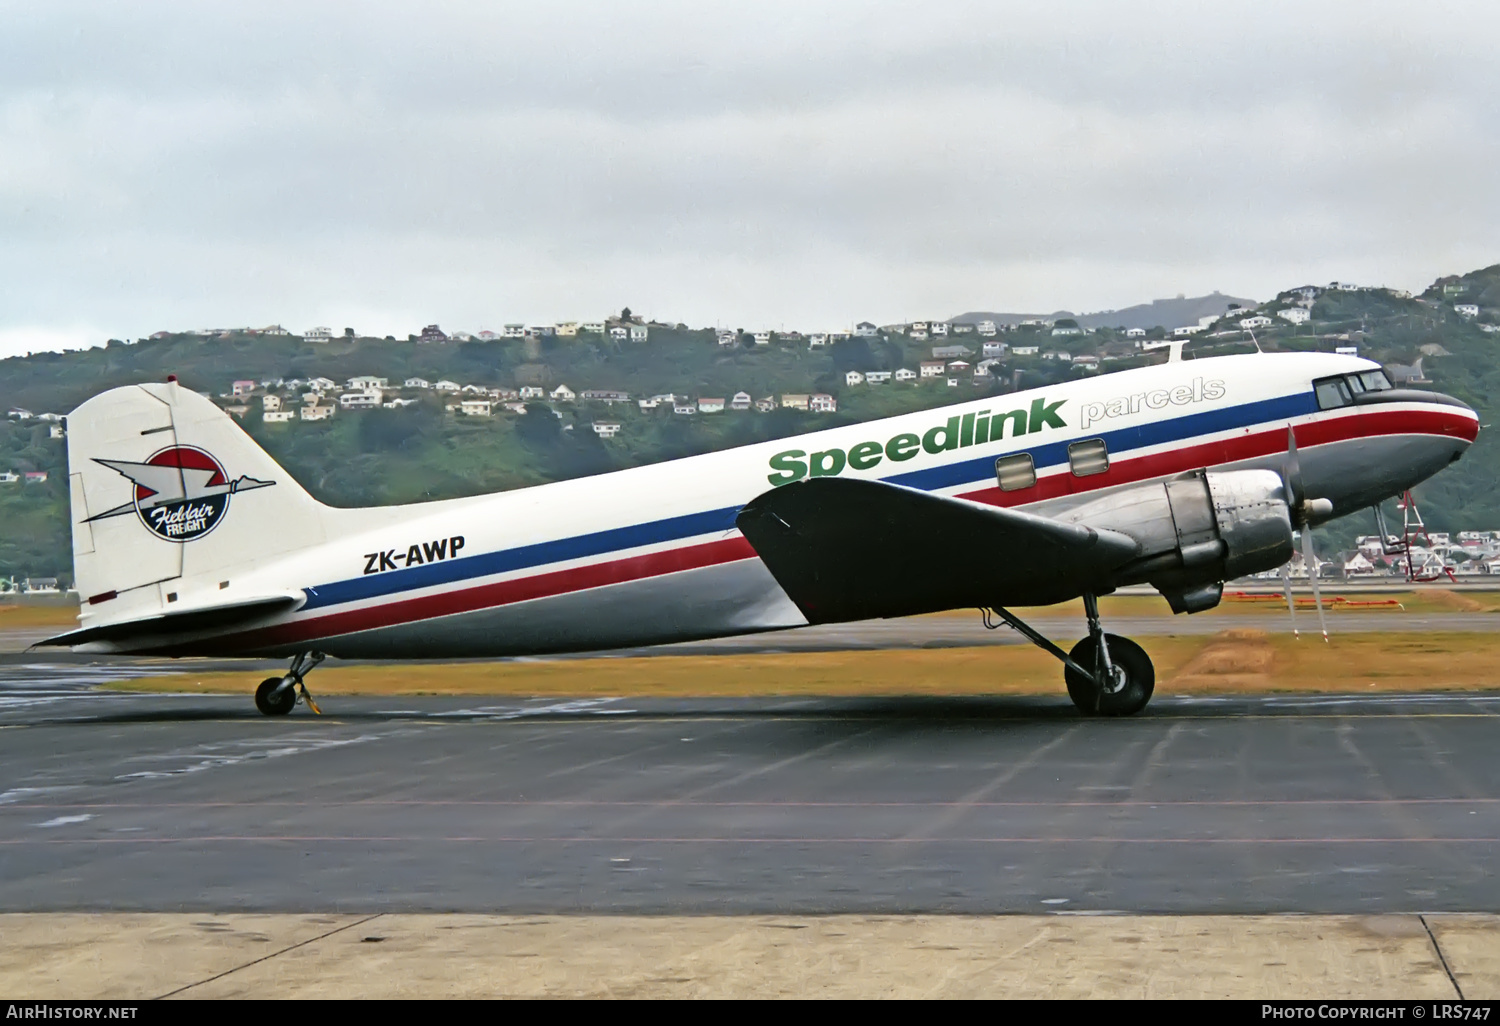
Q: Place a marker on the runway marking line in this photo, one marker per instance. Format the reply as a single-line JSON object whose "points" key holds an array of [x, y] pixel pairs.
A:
{"points": [[392, 839], [592, 803]]}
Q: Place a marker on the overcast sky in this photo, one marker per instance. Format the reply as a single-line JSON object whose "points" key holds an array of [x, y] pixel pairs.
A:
{"points": [[384, 166]]}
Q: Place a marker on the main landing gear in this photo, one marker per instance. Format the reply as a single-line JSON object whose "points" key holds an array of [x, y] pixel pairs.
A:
{"points": [[1107, 675], [277, 695]]}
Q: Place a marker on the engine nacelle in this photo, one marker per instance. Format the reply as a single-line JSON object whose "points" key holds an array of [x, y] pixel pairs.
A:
{"points": [[1197, 531]]}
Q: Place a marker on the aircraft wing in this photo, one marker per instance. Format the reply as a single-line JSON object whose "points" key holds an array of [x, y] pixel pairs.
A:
{"points": [[186, 621], [847, 549]]}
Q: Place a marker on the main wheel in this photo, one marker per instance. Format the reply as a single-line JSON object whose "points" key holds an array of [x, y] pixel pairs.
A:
{"points": [[1136, 678], [274, 705]]}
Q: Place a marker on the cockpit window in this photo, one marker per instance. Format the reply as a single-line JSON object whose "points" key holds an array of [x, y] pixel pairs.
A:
{"points": [[1374, 381], [1332, 393]]}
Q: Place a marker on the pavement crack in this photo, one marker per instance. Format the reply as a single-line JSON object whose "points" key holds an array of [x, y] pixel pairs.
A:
{"points": [[1443, 959], [274, 954]]}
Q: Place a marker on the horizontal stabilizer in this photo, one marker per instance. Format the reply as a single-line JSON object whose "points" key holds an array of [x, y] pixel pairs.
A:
{"points": [[847, 549], [186, 621]]}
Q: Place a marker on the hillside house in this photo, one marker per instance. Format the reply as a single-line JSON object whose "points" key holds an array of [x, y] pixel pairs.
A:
{"points": [[1086, 362], [1067, 331], [877, 377], [727, 338], [277, 416], [317, 411], [932, 368], [1346, 350], [475, 407], [684, 409], [1466, 310], [952, 382], [762, 338], [359, 400], [822, 403], [432, 333], [475, 390], [1295, 314], [906, 374], [447, 386], [601, 395], [949, 352], [618, 334], [416, 383], [270, 403], [398, 404], [985, 328], [710, 405], [939, 329], [592, 327], [740, 401], [992, 349], [504, 394], [961, 329], [486, 335], [853, 378], [322, 384], [365, 382], [532, 392], [566, 329], [319, 334], [563, 394], [794, 401], [864, 329], [36, 477], [1025, 350], [648, 404], [837, 336], [1187, 329], [1060, 354], [766, 404], [817, 340], [958, 366], [605, 429], [57, 431], [638, 332], [240, 389], [514, 407], [1135, 332], [1258, 321], [513, 331], [981, 371], [9, 477]]}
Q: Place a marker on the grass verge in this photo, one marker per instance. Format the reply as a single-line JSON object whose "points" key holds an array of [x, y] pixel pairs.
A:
{"points": [[1231, 662]]}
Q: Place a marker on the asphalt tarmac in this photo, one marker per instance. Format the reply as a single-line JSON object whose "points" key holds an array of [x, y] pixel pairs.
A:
{"points": [[116, 802]]}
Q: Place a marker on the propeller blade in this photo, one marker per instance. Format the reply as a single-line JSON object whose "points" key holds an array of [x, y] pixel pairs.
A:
{"points": [[1291, 475], [1291, 607], [1311, 562]]}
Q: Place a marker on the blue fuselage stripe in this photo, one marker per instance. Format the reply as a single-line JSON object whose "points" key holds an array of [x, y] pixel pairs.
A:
{"points": [[655, 532]]}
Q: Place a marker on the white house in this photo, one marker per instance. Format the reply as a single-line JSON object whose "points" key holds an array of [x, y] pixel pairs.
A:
{"points": [[270, 403], [9, 477], [727, 338], [277, 416], [514, 407], [877, 377], [365, 382], [684, 409], [710, 405], [1258, 321], [648, 404], [322, 384], [514, 331], [475, 390], [605, 429], [740, 401], [1466, 310], [475, 407], [1135, 332], [1025, 350], [794, 401], [638, 333], [1067, 331], [317, 335], [933, 368], [563, 394], [1295, 314], [592, 327], [906, 374], [864, 329], [1346, 350], [1187, 329], [1086, 362], [762, 338], [618, 333], [939, 328], [359, 400], [952, 382], [765, 404], [527, 391], [993, 349], [314, 411], [958, 366], [397, 404], [447, 386], [853, 378], [604, 395], [822, 403], [817, 341], [986, 328], [416, 383]]}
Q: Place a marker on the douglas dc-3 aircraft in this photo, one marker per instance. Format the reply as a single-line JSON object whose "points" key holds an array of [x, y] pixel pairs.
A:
{"points": [[189, 540]]}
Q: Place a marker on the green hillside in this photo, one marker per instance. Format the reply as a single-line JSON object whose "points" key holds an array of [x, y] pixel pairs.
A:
{"points": [[423, 452]]}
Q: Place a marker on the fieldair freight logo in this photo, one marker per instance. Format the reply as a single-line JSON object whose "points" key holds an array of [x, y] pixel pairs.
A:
{"points": [[957, 433], [181, 493]]}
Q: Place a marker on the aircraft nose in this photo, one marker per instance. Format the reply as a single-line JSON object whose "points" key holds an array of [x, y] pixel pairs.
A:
{"points": [[1460, 420]]}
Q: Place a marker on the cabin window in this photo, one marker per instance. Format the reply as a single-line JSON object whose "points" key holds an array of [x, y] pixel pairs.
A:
{"points": [[1088, 457], [1332, 393], [1015, 472]]}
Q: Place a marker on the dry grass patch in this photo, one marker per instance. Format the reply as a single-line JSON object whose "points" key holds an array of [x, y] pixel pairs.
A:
{"points": [[14, 616], [1231, 662]]}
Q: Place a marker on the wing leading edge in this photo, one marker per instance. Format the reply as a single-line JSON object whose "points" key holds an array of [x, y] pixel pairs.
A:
{"points": [[846, 549]]}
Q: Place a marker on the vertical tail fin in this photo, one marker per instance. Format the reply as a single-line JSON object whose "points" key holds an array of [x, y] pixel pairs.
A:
{"points": [[169, 495]]}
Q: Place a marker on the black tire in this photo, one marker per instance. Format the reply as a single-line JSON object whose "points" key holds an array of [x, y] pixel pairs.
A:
{"points": [[1140, 678], [279, 705]]}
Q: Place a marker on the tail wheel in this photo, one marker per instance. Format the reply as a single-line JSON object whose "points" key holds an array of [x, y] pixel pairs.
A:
{"points": [[273, 704], [1132, 689]]}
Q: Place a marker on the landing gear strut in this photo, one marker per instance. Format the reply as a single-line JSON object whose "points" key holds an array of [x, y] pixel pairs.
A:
{"points": [[277, 695], [1107, 675]]}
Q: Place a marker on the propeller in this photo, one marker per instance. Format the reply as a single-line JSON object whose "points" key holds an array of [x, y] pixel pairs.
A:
{"points": [[1303, 511]]}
